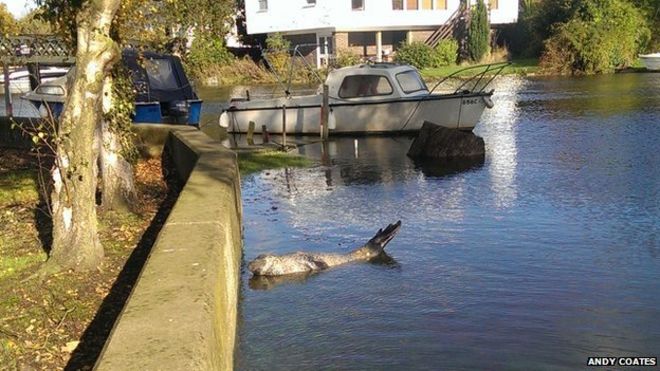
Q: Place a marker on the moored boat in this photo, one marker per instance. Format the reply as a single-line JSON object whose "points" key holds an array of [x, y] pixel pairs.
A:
{"points": [[651, 61], [163, 91], [368, 98], [19, 80]]}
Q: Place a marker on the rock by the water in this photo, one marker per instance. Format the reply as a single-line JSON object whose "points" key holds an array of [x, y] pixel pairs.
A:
{"points": [[438, 142]]}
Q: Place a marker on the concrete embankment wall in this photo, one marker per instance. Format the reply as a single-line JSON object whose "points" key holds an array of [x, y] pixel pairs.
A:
{"points": [[182, 313]]}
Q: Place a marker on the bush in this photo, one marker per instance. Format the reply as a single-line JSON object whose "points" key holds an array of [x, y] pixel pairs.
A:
{"points": [[416, 53], [600, 36], [422, 56], [277, 54], [206, 52], [445, 53], [478, 32], [345, 58]]}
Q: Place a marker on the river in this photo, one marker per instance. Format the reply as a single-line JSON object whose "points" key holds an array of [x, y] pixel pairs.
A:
{"points": [[544, 254]]}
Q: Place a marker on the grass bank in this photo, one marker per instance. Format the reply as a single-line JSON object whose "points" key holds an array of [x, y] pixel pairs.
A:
{"points": [[64, 320], [520, 67], [250, 162]]}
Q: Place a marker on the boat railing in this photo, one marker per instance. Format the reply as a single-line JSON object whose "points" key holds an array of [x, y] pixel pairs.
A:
{"points": [[471, 84], [296, 55], [489, 71]]}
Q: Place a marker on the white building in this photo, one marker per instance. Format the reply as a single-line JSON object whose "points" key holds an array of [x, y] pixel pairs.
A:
{"points": [[371, 28]]}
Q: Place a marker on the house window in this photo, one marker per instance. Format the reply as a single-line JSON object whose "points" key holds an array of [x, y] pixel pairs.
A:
{"points": [[364, 86], [427, 4], [411, 4], [358, 4], [493, 4], [397, 4], [263, 5], [441, 4]]}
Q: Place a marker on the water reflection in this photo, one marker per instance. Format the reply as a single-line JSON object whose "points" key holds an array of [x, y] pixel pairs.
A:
{"points": [[440, 168], [501, 146], [270, 282], [544, 254]]}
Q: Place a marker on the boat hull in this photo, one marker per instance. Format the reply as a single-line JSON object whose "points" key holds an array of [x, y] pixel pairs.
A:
{"points": [[651, 61], [303, 115]]}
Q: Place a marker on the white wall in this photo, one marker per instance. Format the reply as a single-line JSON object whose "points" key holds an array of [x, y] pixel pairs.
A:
{"points": [[337, 15]]}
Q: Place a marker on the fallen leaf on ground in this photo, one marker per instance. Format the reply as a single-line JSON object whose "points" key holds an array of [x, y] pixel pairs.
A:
{"points": [[70, 347]]}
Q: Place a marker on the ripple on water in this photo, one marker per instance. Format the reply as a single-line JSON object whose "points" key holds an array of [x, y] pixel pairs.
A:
{"points": [[544, 254]]}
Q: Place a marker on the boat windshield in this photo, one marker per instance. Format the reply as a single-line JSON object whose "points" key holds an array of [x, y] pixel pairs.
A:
{"points": [[410, 82], [161, 75]]}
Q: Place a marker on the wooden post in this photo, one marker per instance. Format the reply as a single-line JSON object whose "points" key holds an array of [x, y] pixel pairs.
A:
{"points": [[250, 133], [325, 113], [265, 138], [34, 75], [9, 109], [284, 125]]}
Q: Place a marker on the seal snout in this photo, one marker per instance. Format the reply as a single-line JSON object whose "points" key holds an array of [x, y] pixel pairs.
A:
{"points": [[383, 237], [258, 265]]}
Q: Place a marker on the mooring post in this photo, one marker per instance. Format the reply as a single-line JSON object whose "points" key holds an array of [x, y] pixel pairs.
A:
{"points": [[284, 126], [325, 113], [265, 138], [34, 75], [9, 109], [250, 133]]}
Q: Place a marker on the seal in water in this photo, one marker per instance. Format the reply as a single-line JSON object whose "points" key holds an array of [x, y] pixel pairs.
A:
{"points": [[302, 262]]}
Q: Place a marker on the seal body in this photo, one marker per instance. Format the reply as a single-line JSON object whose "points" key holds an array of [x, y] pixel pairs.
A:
{"points": [[302, 262]]}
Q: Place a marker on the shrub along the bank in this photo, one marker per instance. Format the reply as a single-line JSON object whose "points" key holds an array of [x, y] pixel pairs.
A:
{"points": [[574, 29], [345, 58], [445, 53], [422, 55], [207, 52], [599, 36]]}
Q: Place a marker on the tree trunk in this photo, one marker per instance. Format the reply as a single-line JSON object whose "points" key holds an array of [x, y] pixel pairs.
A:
{"points": [[117, 181], [75, 240]]}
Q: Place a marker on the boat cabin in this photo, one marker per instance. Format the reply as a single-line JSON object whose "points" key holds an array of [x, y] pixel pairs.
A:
{"points": [[163, 92], [377, 81]]}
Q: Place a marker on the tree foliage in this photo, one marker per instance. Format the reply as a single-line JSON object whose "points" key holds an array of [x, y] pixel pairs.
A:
{"points": [[33, 24], [599, 36], [478, 32], [8, 24], [278, 53], [539, 20]]}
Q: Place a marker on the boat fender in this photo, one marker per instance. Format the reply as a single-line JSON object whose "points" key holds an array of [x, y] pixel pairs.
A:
{"points": [[332, 123], [488, 102], [223, 121]]}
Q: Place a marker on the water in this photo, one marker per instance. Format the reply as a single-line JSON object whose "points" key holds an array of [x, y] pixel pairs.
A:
{"points": [[539, 257]]}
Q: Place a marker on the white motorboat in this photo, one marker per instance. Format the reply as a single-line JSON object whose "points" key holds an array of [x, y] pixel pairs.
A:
{"points": [[369, 98], [19, 81], [651, 61]]}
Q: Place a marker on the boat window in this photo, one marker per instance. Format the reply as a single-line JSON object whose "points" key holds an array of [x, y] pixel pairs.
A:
{"points": [[364, 86], [410, 81], [161, 75]]}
